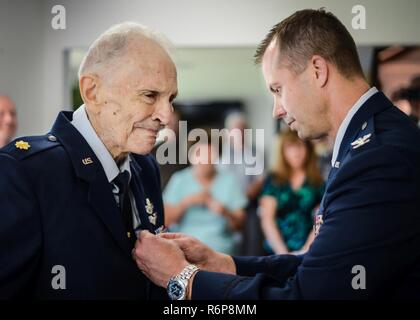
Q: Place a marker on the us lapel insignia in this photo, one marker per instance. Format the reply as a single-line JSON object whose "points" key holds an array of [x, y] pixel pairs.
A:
{"points": [[87, 161], [361, 141], [23, 145], [318, 224]]}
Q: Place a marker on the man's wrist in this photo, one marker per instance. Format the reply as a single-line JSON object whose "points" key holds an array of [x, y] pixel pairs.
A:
{"points": [[229, 265], [179, 285], [224, 264], [221, 262]]}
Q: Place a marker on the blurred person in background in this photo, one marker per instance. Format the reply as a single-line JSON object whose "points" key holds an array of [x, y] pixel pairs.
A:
{"points": [[401, 102], [323, 150], [407, 99], [8, 120], [251, 185], [291, 193], [413, 96], [202, 202]]}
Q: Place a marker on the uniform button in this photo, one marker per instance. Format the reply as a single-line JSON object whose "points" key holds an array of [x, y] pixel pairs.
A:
{"points": [[364, 125], [52, 138]]}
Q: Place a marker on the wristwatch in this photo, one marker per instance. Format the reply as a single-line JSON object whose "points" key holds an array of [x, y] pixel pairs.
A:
{"points": [[178, 285]]}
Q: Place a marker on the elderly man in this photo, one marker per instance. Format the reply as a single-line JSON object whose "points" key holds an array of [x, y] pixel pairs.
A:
{"points": [[72, 201], [368, 225], [8, 120]]}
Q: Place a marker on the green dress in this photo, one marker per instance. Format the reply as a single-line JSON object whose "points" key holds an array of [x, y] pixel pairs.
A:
{"points": [[295, 211]]}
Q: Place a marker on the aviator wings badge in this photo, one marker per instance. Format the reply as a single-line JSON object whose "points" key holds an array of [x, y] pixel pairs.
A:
{"points": [[361, 141]]}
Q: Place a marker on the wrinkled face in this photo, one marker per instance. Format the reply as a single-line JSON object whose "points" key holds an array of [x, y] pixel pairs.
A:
{"points": [[297, 99], [8, 119], [136, 99], [295, 154]]}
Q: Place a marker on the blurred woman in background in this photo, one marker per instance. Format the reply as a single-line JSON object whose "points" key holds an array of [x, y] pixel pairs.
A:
{"points": [[202, 202], [290, 196]]}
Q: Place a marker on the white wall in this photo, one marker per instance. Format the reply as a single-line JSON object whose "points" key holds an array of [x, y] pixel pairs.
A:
{"points": [[21, 60], [31, 52]]}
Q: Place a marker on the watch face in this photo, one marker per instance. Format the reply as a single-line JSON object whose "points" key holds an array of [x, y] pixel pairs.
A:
{"points": [[176, 290]]}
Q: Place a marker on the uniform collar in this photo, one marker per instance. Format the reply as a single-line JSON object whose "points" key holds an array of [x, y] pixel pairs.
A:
{"points": [[82, 124], [88, 167], [361, 124], [344, 125]]}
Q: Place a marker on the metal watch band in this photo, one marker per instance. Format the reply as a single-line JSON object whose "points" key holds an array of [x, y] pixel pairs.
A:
{"points": [[187, 272]]}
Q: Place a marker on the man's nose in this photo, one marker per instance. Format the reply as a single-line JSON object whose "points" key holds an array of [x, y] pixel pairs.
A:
{"points": [[163, 112], [278, 110]]}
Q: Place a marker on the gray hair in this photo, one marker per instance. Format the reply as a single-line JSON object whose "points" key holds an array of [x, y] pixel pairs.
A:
{"points": [[233, 118], [112, 44]]}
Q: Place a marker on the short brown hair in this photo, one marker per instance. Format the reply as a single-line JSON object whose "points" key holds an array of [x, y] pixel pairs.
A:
{"points": [[313, 32]]}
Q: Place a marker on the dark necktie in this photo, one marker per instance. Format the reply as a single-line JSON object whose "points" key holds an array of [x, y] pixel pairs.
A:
{"points": [[122, 182]]}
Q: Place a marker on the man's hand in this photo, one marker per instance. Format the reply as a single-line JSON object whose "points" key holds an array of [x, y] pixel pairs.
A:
{"points": [[216, 207], [158, 258], [198, 199], [202, 255]]}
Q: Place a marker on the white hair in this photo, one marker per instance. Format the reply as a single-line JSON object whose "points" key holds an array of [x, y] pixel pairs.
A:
{"points": [[113, 42], [233, 118]]}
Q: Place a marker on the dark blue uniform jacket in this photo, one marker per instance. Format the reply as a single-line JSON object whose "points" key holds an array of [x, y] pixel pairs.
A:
{"points": [[57, 209], [368, 244]]}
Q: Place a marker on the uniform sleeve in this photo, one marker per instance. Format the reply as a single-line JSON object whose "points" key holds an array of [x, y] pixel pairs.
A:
{"points": [[20, 230], [369, 238]]}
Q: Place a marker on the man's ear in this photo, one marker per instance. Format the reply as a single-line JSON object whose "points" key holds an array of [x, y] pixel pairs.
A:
{"points": [[89, 87], [321, 70]]}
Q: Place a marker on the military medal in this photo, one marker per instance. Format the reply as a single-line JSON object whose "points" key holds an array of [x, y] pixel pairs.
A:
{"points": [[160, 230], [149, 206], [318, 223], [149, 209], [152, 218]]}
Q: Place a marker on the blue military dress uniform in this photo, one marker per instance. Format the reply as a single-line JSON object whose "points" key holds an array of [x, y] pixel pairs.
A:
{"points": [[57, 209], [369, 218]]}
